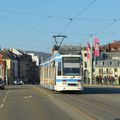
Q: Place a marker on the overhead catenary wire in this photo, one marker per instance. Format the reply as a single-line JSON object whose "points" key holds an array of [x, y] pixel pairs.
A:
{"points": [[67, 25], [106, 26], [50, 32], [54, 17], [100, 31], [74, 17], [31, 14], [90, 4], [25, 26]]}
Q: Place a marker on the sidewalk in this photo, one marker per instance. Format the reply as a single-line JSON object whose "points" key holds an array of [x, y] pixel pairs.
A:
{"points": [[95, 85]]}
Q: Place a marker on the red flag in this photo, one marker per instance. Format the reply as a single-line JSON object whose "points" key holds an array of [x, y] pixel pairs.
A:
{"points": [[96, 41], [1, 59], [88, 51], [96, 50]]}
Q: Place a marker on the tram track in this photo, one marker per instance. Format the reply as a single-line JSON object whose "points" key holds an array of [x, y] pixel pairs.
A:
{"points": [[79, 109], [98, 103], [86, 105], [54, 97], [82, 102]]}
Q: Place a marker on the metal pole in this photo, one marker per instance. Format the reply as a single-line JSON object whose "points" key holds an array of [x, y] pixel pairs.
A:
{"points": [[6, 76], [94, 69], [91, 62]]}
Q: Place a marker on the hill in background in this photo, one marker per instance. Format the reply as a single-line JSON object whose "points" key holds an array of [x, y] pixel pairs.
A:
{"points": [[40, 54]]}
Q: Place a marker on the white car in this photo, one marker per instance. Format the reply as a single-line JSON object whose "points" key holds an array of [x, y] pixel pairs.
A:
{"points": [[18, 82]]}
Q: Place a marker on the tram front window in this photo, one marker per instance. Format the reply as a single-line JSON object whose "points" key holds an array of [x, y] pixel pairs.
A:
{"points": [[71, 71], [71, 66]]}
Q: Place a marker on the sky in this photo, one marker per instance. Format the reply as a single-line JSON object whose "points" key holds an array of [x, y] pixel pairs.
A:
{"points": [[31, 24]]}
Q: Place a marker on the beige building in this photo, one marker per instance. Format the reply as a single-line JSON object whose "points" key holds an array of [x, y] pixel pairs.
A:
{"points": [[87, 67], [109, 66]]}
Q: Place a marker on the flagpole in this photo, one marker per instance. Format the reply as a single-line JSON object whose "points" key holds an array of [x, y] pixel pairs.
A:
{"points": [[91, 61], [96, 53], [94, 69]]}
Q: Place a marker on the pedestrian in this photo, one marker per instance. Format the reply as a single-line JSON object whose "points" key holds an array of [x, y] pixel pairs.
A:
{"points": [[110, 80], [88, 80], [119, 79]]}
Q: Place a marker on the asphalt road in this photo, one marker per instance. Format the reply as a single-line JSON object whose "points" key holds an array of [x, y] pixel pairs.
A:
{"points": [[25, 103], [36, 103]]}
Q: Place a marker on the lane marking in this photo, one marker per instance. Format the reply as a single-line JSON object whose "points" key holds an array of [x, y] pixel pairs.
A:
{"points": [[28, 97], [59, 100], [4, 99], [91, 104], [42, 91], [1, 106]]}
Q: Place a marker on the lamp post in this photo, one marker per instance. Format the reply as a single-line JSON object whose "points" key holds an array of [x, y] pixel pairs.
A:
{"points": [[91, 61], [6, 76]]}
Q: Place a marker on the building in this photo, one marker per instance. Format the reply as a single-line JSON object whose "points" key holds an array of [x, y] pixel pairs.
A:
{"points": [[35, 67], [111, 47], [11, 66], [109, 65], [2, 68], [75, 49]]}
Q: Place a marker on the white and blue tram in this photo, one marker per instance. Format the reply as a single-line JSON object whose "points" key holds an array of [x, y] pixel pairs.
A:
{"points": [[62, 73]]}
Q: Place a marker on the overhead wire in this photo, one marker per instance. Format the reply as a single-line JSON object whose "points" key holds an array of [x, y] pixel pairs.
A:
{"points": [[25, 26], [90, 4], [55, 17], [32, 14], [34, 29], [74, 17], [68, 23], [106, 26], [102, 29]]}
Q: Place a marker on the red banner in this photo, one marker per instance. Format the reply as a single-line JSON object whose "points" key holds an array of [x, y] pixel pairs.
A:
{"points": [[96, 44], [88, 51]]}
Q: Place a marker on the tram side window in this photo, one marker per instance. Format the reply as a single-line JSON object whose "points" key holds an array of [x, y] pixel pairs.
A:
{"points": [[59, 68]]}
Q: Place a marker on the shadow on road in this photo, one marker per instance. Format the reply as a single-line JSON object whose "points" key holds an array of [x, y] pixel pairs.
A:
{"points": [[102, 90], [16, 87], [94, 90]]}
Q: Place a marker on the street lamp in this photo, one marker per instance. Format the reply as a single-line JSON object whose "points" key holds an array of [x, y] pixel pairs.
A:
{"points": [[6, 76]]}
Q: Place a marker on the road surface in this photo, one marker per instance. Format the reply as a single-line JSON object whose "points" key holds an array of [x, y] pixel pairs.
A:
{"points": [[35, 103]]}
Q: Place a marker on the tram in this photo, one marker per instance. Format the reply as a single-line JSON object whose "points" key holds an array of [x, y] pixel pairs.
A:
{"points": [[62, 73]]}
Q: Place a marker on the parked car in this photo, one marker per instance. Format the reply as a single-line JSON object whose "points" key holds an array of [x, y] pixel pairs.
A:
{"points": [[2, 84], [18, 82]]}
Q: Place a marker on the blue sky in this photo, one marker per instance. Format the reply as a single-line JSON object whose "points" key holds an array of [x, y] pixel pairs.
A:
{"points": [[30, 24]]}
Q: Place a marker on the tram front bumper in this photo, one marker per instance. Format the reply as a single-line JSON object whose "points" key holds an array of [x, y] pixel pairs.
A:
{"points": [[69, 88]]}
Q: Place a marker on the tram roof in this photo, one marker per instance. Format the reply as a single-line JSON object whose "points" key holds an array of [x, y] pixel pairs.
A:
{"points": [[57, 54]]}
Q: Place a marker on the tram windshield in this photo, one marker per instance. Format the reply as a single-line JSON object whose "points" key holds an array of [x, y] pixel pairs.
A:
{"points": [[71, 66]]}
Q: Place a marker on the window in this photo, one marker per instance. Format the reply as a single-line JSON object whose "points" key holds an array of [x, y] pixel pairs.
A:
{"points": [[71, 66], [85, 55], [110, 63], [103, 63], [85, 64], [59, 68], [115, 70], [107, 70], [100, 71], [71, 60]]}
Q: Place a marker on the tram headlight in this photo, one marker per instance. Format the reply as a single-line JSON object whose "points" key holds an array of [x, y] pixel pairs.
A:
{"points": [[79, 82], [64, 82]]}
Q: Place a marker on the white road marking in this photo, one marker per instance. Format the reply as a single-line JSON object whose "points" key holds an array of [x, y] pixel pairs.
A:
{"points": [[27, 97], [42, 91], [30, 96], [1, 106], [4, 100]]}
